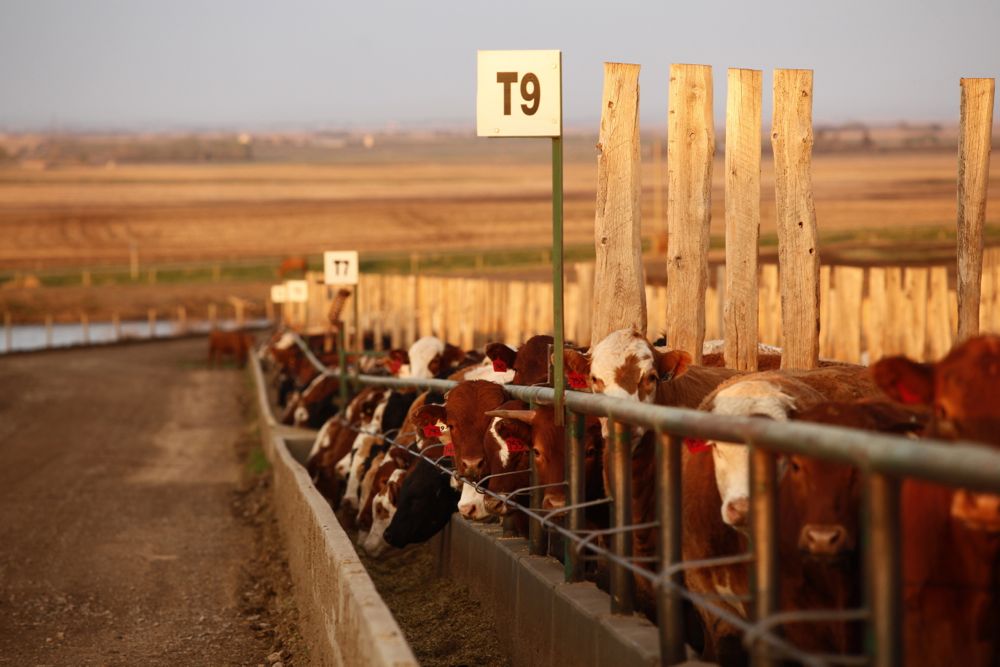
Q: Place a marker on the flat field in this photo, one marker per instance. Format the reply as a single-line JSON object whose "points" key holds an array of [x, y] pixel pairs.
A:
{"points": [[487, 196]]}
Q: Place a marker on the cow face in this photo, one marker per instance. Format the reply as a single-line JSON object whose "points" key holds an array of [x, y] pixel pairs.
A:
{"points": [[961, 390], [426, 503], [748, 398], [507, 446], [465, 408], [384, 507], [825, 499], [531, 364], [624, 365]]}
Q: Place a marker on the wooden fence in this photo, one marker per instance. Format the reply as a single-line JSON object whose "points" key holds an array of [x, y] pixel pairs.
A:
{"points": [[865, 313]]}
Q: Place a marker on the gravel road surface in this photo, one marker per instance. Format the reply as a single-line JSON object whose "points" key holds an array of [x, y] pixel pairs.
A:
{"points": [[131, 532]]}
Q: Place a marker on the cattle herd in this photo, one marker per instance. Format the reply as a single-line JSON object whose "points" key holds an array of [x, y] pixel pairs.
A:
{"points": [[365, 462]]}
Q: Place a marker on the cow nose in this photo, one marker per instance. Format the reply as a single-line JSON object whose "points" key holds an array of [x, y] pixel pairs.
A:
{"points": [[468, 511], [735, 512], [553, 501], [823, 540]]}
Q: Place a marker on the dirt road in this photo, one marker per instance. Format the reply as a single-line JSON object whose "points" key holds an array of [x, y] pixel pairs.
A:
{"points": [[124, 506]]}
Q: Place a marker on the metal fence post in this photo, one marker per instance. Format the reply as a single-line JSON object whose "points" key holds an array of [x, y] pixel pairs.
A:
{"points": [[764, 526], [536, 533], [670, 611], [575, 453], [885, 585], [622, 582]]}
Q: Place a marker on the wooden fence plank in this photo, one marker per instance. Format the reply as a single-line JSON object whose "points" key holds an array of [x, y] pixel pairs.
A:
{"points": [[938, 319], [798, 252], [690, 149], [743, 119], [975, 140], [619, 297], [845, 313]]}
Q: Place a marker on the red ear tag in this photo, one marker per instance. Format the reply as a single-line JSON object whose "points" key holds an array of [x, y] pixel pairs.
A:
{"points": [[394, 366], [696, 445], [432, 431], [515, 445], [577, 380], [906, 395], [499, 366], [449, 449]]}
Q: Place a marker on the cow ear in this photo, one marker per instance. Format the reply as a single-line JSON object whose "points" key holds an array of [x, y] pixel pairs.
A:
{"points": [[502, 352], [577, 369], [904, 380], [671, 365]]}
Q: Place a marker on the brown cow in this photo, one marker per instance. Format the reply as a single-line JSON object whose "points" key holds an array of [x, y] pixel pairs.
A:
{"points": [[233, 344], [951, 538], [465, 407], [292, 265], [819, 505]]}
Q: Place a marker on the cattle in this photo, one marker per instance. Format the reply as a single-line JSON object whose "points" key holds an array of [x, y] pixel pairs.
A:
{"points": [[467, 424], [950, 538], [335, 439], [292, 265], [537, 428], [819, 511], [314, 405], [716, 480], [624, 365], [506, 450], [370, 445], [388, 482], [235, 345], [776, 395], [426, 503], [429, 357]]}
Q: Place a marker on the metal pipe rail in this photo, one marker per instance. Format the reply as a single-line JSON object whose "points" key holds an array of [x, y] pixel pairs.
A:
{"points": [[884, 458]]}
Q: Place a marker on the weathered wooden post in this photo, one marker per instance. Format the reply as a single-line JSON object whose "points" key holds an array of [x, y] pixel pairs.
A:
{"points": [[798, 252], [974, 143], [690, 149], [938, 327], [743, 115], [181, 320], [116, 325], [619, 283], [213, 314]]}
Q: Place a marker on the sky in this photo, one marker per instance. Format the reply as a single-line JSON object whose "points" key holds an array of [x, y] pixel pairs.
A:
{"points": [[289, 64]]}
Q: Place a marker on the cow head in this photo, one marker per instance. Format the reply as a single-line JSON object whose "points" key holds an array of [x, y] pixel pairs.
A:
{"points": [[383, 507], [507, 447], [961, 389], [624, 365], [531, 364], [426, 503], [746, 398]]}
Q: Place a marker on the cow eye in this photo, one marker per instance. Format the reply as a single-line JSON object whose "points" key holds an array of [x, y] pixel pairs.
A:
{"points": [[535, 452], [794, 465]]}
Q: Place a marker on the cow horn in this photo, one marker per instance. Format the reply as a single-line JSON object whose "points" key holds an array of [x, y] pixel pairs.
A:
{"points": [[523, 415]]}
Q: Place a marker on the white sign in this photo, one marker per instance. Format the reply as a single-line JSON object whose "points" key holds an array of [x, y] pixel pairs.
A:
{"points": [[278, 294], [519, 94], [340, 267], [297, 291]]}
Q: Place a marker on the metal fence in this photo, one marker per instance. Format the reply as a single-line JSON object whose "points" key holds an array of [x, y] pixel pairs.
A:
{"points": [[884, 459]]}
